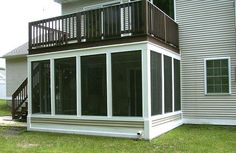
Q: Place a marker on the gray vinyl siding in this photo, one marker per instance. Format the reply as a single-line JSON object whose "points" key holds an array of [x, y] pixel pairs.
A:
{"points": [[76, 6], [206, 30], [80, 122], [16, 73]]}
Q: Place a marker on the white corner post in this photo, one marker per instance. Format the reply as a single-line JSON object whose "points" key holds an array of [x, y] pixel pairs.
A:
{"points": [[52, 76], [163, 83], [173, 85], [109, 84], [29, 88], [29, 94], [78, 85], [146, 83]]}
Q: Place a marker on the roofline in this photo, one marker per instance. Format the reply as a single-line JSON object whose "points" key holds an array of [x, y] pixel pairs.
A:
{"points": [[15, 56]]}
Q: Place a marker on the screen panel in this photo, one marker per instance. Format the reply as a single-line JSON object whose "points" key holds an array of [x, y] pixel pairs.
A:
{"points": [[168, 83], [41, 87], [156, 83], [94, 85], [127, 83], [65, 86]]}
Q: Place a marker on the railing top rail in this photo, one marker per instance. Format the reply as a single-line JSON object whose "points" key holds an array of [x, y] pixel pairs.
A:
{"points": [[24, 83], [53, 18]]}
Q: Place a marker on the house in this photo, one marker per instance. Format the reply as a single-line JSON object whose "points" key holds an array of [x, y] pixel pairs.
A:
{"points": [[16, 69], [133, 69], [2, 83]]}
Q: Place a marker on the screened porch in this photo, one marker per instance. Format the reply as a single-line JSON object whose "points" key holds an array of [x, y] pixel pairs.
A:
{"points": [[106, 84]]}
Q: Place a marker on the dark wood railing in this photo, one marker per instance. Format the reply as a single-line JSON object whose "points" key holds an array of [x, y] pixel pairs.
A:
{"points": [[162, 26], [122, 20], [19, 97]]}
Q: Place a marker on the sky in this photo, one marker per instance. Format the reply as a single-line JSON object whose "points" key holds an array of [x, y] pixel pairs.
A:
{"points": [[15, 15]]}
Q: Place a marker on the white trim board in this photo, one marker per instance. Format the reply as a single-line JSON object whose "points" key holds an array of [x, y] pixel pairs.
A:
{"points": [[85, 132], [107, 118], [89, 51], [162, 50], [209, 121]]}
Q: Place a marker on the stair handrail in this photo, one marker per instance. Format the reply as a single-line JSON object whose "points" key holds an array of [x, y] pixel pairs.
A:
{"points": [[19, 97]]}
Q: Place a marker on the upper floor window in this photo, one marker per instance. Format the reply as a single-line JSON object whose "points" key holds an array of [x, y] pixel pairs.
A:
{"points": [[217, 76], [167, 6]]}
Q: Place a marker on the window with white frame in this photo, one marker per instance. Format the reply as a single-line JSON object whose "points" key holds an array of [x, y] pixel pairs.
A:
{"points": [[217, 76]]}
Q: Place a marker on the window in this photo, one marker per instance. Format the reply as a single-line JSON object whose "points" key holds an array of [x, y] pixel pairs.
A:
{"points": [[156, 83], [217, 76], [168, 83], [40, 84], [177, 85], [126, 84], [94, 85], [65, 86]]}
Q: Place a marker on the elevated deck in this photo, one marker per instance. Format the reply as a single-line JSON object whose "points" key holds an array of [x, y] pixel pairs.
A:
{"points": [[123, 23]]}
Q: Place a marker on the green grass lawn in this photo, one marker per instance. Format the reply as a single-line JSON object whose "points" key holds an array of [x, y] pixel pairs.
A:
{"points": [[4, 109], [187, 138]]}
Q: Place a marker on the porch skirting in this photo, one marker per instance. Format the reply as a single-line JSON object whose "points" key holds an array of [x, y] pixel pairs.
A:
{"points": [[137, 128], [111, 128]]}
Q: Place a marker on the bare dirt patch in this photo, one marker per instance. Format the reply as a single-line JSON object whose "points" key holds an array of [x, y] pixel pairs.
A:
{"points": [[13, 131]]}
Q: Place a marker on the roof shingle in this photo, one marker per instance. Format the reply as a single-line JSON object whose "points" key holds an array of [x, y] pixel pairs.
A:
{"points": [[19, 51]]}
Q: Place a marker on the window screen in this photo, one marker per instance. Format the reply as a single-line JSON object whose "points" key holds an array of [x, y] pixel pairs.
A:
{"points": [[177, 85], [156, 83], [168, 83], [94, 85], [217, 75], [41, 88], [127, 84], [65, 86]]}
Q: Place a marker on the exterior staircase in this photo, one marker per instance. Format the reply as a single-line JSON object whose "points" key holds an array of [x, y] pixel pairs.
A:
{"points": [[20, 103]]}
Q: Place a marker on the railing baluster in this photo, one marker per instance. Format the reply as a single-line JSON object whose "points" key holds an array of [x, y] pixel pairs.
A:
{"points": [[30, 35], [40, 34], [94, 19], [78, 16], [62, 22], [69, 27], [73, 18], [115, 23], [36, 34], [66, 28]]}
